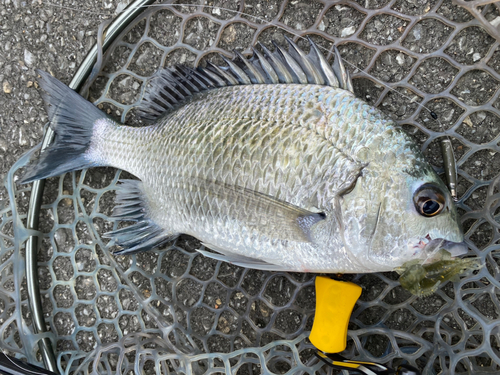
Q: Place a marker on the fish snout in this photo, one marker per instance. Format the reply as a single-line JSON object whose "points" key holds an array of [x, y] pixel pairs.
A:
{"points": [[431, 249]]}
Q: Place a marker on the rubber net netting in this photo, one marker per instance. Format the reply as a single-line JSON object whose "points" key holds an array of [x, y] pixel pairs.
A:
{"points": [[172, 310]]}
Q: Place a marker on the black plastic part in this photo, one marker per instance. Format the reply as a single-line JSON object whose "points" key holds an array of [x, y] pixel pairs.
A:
{"points": [[450, 166], [336, 361], [407, 370], [13, 366]]}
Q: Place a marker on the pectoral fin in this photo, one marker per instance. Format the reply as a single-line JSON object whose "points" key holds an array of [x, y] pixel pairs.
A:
{"points": [[274, 218]]}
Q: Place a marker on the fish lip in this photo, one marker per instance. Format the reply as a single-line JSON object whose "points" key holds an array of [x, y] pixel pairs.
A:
{"points": [[431, 248]]}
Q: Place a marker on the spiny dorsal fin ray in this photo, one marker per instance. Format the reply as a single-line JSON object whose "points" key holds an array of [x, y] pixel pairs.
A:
{"points": [[171, 86], [250, 69], [228, 77], [291, 64], [341, 72], [266, 66], [309, 69], [319, 60], [240, 75], [284, 75]]}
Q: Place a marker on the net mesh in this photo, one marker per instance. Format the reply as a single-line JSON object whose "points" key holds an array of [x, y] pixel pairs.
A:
{"points": [[174, 311]]}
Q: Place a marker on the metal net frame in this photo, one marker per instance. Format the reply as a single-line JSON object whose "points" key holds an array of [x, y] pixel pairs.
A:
{"points": [[172, 310]]}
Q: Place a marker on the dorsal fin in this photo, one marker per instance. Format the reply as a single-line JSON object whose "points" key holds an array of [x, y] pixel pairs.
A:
{"points": [[266, 66], [172, 86], [319, 60], [309, 69], [342, 72], [291, 65], [251, 69]]}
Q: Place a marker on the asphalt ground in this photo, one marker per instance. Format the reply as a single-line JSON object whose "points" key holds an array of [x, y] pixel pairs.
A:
{"points": [[35, 35]]}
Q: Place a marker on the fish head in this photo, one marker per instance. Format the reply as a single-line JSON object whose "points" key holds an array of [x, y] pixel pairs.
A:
{"points": [[393, 218]]}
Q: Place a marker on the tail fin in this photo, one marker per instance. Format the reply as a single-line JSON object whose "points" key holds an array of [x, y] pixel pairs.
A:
{"points": [[72, 118]]}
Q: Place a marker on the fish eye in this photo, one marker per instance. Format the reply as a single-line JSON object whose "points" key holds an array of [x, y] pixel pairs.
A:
{"points": [[429, 200], [430, 207]]}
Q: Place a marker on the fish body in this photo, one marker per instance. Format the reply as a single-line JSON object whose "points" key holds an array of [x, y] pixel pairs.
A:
{"points": [[278, 176]]}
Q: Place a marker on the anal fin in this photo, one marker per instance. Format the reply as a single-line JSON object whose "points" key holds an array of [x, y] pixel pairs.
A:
{"points": [[132, 205]]}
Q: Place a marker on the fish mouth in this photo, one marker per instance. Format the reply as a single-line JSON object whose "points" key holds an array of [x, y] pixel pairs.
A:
{"points": [[431, 248]]}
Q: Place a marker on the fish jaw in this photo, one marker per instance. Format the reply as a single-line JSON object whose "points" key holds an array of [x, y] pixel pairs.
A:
{"points": [[429, 250]]}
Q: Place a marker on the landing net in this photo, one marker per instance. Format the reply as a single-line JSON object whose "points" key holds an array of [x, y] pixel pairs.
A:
{"points": [[174, 311]]}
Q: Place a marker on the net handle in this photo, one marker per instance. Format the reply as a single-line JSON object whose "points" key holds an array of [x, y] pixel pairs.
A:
{"points": [[132, 11]]}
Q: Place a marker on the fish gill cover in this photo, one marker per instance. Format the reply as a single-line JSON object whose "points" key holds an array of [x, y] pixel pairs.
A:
{"points": [[165, 310]]}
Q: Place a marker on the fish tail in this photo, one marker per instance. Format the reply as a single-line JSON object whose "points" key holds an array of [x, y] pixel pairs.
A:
{"points": [[73, 120]]}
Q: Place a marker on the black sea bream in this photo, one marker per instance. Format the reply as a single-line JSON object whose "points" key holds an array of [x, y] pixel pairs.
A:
{"points": [[271, 162]]}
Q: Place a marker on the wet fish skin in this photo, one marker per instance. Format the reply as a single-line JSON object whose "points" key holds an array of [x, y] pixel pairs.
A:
{"points": [[271, 139], [271, 176], [325, 138]]}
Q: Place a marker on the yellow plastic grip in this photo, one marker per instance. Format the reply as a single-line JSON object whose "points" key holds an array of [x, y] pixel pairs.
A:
{"points": [[334, 303]]}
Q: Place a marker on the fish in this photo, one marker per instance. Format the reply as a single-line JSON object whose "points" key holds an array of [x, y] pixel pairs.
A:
{"points": [[271, 162]]}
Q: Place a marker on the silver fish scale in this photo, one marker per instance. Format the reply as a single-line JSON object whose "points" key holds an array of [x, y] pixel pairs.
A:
{"points": [[354, 125]]}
